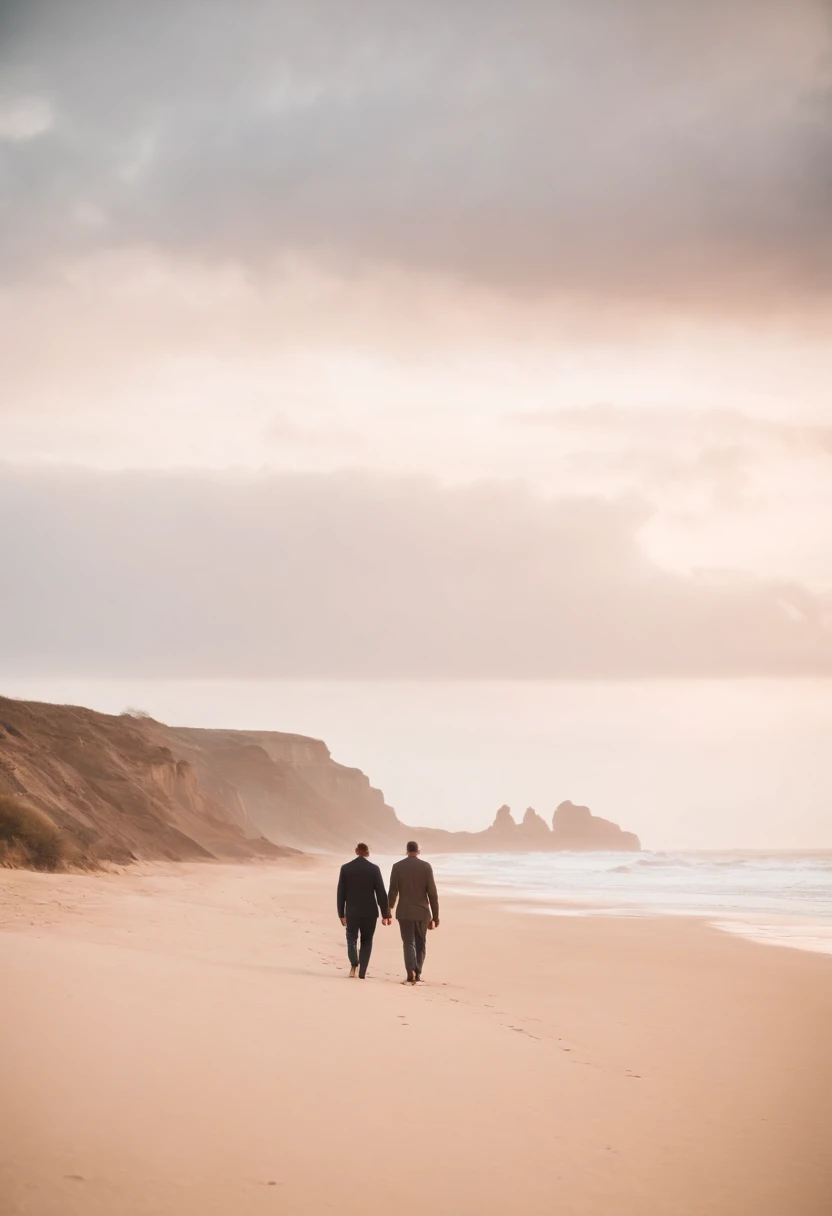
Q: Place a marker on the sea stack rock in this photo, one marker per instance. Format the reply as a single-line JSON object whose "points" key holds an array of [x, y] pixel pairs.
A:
{"points": [[576, 828], [504, 825], [534, 830]]}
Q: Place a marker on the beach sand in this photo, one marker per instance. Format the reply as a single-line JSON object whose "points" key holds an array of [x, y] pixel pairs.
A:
{"points": [[184, 1041]]}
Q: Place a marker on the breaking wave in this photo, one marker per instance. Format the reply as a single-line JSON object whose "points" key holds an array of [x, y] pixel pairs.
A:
{"points": [[771, 888]]}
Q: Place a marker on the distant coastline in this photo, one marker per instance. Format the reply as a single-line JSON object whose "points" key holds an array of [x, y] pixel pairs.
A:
{"points": [[125, 787]]}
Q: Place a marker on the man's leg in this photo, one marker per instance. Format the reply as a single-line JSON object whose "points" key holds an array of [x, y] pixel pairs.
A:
{"points": [[368, 928], [407, 930], [353, 925], [420, 936]]}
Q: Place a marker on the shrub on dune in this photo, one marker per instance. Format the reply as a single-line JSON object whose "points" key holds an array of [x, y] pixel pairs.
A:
{"points": [[28, 838]]}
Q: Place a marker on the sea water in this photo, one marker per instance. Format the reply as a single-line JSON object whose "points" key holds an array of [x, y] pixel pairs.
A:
{"points": [[780, 898]]}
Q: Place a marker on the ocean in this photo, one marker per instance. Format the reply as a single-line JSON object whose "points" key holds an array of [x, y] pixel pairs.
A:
{"points": [[783, 899]]}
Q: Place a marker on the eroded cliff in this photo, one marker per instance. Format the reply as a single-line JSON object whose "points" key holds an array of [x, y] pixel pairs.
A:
{"points": [[125, 787]]}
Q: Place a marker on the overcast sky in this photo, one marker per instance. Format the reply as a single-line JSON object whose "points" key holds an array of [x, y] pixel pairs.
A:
{"points": [[485, 341], [381, 340]]}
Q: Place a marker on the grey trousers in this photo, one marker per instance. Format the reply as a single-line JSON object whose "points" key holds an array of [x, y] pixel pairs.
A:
{"points": [[414, 940]]}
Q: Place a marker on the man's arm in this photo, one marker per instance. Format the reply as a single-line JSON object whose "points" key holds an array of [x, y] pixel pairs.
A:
{"points": [[433, 898], [393, 890], [381, 894], [342, 894]]}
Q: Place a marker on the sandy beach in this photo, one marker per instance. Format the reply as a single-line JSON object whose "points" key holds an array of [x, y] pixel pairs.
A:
{"points": [[185, 1040]]}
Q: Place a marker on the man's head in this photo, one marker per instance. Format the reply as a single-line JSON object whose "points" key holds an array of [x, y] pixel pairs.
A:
{"points": [[412, 848], [361, 849]]}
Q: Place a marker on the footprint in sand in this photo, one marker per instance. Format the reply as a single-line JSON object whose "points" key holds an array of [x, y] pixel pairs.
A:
{"points": [[520, 1030]]}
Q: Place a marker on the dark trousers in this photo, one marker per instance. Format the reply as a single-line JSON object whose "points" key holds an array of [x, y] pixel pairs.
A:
{"points": [[366, 927], [414, 940]]}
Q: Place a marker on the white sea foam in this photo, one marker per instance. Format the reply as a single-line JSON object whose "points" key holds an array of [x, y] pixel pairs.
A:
{"points": [[783, 899]]}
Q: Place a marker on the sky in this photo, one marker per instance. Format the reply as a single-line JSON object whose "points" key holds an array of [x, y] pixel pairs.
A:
{"points": [[373, 346]]}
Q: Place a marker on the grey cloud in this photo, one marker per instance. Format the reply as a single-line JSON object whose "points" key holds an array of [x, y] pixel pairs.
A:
{"points": [[351, 575], [674, 450], [641, 147], [728, 429]]}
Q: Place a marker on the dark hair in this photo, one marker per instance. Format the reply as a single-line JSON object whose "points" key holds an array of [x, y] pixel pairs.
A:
{"points": [[362, 848], [412, 846]]}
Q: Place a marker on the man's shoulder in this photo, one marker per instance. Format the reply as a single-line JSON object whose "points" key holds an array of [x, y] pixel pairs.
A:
{"points": [[407, 863], [359, 864]]}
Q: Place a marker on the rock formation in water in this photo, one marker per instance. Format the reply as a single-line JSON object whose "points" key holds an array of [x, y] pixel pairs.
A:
{"points": [[127, 787], [575, 827], [534, 829], [504, 827]]}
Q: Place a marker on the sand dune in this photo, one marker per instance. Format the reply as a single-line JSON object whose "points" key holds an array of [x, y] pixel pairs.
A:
{"points": [[184, 1040]]}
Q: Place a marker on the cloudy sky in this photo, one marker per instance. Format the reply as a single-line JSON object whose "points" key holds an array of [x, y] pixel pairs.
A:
{"points": [[381, 341]]}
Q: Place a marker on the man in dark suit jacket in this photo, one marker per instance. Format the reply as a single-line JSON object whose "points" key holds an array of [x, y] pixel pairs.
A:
{"points": [[361, 895], [413, 885]]}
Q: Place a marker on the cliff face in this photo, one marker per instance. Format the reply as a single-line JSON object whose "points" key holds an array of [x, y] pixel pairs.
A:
{"points": [[292, 789], [117, 789], [125, 787], [128, 787]]}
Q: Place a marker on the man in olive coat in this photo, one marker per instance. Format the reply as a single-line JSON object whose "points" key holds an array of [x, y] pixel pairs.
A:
{"points": [[412, 884]]}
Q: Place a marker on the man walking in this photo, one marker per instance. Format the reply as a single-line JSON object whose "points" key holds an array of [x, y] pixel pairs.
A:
{"points": [[413, 885], [361, 895]]}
